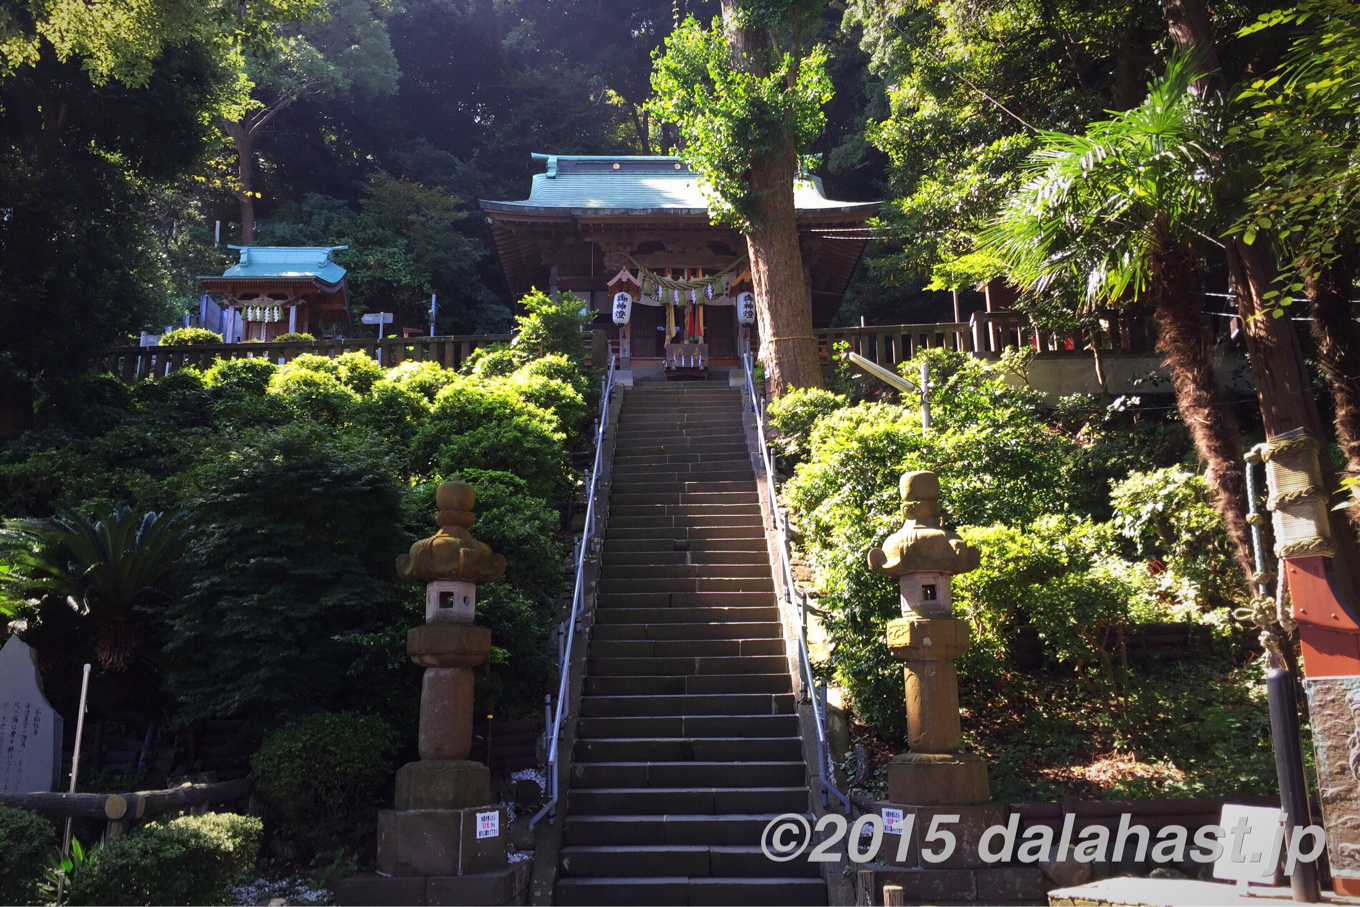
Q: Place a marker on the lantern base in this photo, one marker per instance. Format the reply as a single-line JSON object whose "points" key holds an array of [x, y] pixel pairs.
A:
{"points": [[938, 779], [441, 842], [443, 784]]}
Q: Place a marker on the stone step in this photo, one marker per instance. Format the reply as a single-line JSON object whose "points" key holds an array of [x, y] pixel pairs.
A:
{"points": [[705, 558], [701, 535], [714, 630], [753, 892], [662, 726], [688, 774], [678, 417], [688, 684], [689, 486], [700, 704], [654, 608], [688, 800], [706, 509], [698, 584], [695, 521], [695, 513], [702, 749], [652, 459], [684, 648], [629, 545], [752, 664], [685, 571], [682, 446], [693, 497], [693, 860], [730, 828]]}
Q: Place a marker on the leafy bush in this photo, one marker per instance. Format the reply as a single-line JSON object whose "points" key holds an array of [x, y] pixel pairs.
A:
{"points": [[321, 776], [25, 840], [319, 394], [295, 337], [481, 425], [190, 860], [792, 417], [248, 376], [552, 326], [391, 412], [1168, 518], [495, 360], [356, 371], [296, 533], [424, 378], [559, 368], [557, 397], [189, 337]]}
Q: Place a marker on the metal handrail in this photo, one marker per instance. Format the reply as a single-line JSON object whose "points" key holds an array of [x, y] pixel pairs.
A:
{"points": [[552, 735], [781, 523]]}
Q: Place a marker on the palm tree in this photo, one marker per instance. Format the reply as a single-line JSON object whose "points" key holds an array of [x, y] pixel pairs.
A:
{"points": [[1115, 214], [106, 569]]}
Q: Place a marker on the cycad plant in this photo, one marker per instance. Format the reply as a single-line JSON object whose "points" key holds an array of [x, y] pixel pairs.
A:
{"points": [[107, 568], [1115, 215]]}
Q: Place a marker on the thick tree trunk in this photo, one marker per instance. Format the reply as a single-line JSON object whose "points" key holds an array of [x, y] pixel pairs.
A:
{"points": [[244, 143], [1338, 347], [1277, 366], [783, 307], [1185, 341], [1282, 383]]}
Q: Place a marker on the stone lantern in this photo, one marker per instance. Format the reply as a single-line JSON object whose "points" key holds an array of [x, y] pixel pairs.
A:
{"points": [[445, 823], [934, 776]]}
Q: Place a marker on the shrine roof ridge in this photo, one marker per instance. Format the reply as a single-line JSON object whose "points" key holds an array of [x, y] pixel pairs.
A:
{"points": [[286, 262], [612, 185]]}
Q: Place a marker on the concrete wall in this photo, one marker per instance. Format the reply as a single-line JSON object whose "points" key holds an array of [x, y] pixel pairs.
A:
{"points": [[1058, 376]]}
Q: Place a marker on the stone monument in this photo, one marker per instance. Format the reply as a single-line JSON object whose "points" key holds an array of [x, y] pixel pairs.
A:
{"points": [[445, 840], [935, 777], [30, 729]]}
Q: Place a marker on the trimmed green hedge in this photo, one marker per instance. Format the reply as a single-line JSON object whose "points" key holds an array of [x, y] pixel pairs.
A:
{"points": [[190, 860], [25, 839], [322, 775]]}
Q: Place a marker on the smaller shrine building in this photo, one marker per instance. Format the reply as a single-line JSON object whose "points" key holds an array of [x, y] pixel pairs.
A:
{"points": [[603, 226], [275, 290]]}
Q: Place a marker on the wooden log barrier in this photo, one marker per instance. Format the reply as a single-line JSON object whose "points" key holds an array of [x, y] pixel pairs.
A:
{"points": [[120, 811]]}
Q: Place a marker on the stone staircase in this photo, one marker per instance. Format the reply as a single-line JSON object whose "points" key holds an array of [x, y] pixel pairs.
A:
{"points": [[687, 742]]}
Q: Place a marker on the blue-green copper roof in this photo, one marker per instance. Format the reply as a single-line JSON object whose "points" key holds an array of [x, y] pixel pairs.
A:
{"points": [[304, 262], [600, 184]]}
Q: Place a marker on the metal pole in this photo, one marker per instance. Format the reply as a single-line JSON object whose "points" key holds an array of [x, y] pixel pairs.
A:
{"points": [[1284, 726], [434, 307], [1284, 732], [75, 773], [925, 394]]}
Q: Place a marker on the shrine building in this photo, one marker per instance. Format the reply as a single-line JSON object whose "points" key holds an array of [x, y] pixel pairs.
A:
{"points": [[275, 290], [632, 237]]}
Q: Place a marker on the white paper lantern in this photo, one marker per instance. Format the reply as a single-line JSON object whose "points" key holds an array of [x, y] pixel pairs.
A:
{"points": [[623, 307], [746, 308]]}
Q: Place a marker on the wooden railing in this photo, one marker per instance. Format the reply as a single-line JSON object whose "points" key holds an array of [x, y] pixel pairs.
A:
{"points": [[137, 363], [986, 334]]}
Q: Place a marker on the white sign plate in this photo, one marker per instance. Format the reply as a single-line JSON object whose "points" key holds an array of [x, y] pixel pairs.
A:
{"points": [[488, 825], [892, 821], [377, 318], [1256, 858]]}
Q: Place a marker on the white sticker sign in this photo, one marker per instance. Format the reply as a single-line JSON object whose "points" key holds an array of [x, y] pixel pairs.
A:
{"points": [[892, 821], [488, 825]]}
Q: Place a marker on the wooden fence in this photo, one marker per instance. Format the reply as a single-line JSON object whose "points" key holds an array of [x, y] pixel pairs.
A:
{"points": [[136, 363], [987, 334]]}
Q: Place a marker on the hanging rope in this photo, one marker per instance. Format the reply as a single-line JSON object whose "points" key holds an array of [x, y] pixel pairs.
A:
{"points": [[651, 281]]}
